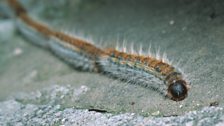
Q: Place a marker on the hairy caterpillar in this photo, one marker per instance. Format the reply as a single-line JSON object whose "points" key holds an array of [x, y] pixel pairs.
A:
{"points": [[143, 70]]}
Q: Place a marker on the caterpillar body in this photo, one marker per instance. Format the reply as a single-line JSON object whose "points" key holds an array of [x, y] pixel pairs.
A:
{"points": [[82, 56], [142, 70]]}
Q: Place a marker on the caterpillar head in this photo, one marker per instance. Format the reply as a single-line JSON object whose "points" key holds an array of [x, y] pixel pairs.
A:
{"points": [[178, 90]]}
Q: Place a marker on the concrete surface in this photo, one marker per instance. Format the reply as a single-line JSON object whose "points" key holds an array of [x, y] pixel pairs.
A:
{"points": [[189, 32]]}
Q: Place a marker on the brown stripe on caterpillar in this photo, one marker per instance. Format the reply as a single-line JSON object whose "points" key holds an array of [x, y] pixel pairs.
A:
{"points": [[81, 44], [36, 25], [17, 7], [22, 14], [148, 62]]}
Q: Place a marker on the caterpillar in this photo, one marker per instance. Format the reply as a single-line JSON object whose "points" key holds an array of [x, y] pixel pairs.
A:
{"points": [[146, 71]]}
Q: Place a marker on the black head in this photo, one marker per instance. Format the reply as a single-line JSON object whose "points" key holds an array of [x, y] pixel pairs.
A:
{"points": [[177, 91]]}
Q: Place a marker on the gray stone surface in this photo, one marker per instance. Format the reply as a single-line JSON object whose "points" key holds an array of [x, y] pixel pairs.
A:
{"points": [[21, 110], [189, 32]]}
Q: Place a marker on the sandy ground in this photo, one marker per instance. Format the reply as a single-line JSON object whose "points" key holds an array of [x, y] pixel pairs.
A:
{"points": [[190, 33]]}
